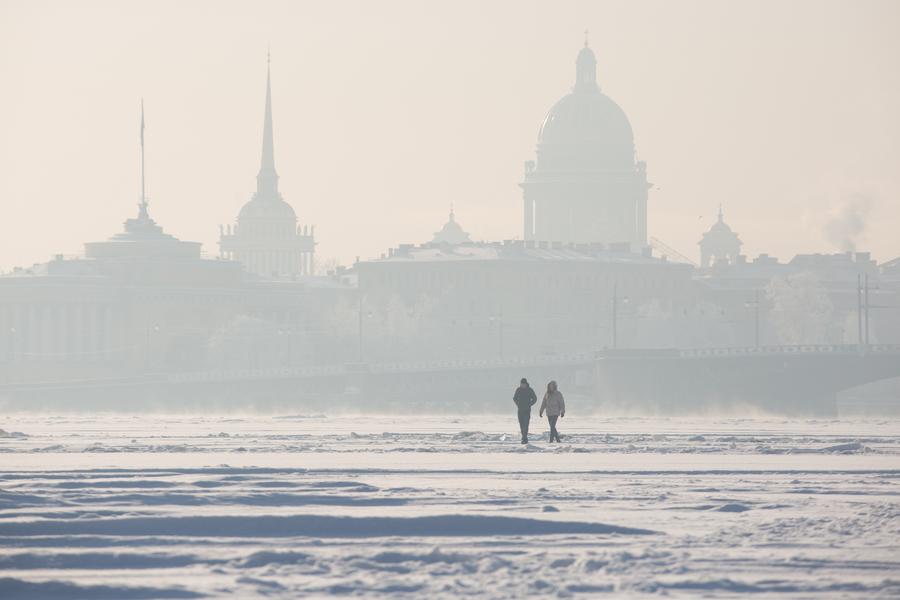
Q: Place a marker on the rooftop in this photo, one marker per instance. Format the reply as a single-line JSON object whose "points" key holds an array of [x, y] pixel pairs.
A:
{"points": [[517, 250]]}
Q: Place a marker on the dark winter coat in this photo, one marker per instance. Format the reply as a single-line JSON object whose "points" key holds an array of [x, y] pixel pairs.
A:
{"points": [[524, 398]]}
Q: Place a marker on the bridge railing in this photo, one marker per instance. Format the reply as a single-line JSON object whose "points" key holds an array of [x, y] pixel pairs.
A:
{"points": [[401, 367], [574, 359], [843, 349], [461, 364]]}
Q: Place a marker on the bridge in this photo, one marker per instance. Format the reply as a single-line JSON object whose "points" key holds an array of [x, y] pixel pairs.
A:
{"points": [[803, 379], [794, 379]]}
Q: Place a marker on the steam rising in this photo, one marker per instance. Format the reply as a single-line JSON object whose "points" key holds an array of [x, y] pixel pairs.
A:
{"points": [[847, 222]]}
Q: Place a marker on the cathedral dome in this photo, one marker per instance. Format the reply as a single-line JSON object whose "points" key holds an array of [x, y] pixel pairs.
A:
{"points": [[586, 129], [587, 116], [270, 209]]}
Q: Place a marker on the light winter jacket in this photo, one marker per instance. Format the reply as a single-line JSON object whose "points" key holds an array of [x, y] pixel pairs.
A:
{"points": [[554, 404]]}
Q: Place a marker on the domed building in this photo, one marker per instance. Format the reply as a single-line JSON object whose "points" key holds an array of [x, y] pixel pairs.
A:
{"points": [[585, 185], [267, 240], [719, 244], [451, 233]]}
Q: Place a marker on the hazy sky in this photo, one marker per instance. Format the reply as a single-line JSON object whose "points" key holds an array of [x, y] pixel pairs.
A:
{"points": [[386, 112]]}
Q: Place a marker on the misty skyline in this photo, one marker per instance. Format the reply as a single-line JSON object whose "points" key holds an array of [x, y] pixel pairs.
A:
{"points": [[786, 116]]}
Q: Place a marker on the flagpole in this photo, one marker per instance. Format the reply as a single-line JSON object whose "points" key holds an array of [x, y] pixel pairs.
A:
{"points": [[143, 195]]}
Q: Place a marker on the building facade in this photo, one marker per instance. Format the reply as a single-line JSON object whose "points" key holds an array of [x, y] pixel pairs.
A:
{"points": [[518, 299]]}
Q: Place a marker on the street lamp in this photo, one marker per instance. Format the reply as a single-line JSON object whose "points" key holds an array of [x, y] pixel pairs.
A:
{"points": [[12, 344], [499, 320], [360, 327], [615, 315], [862, 308], [754, 304], [288, 334], [150, 329]]}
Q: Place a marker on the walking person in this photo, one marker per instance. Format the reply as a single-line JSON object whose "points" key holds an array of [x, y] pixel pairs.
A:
{"points": [[555, 405], [524, 399]]}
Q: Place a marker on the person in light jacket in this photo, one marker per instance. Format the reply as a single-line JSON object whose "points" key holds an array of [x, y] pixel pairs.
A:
{"points": [[555, 405]]}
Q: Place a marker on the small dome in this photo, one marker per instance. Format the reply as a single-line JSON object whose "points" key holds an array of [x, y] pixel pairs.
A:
{"points": [[720, 227], [451, 233], [274, 209], [720, 232]]}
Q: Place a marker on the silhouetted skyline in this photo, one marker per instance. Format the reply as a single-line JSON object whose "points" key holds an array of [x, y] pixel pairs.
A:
{"points": [[784, 114]]}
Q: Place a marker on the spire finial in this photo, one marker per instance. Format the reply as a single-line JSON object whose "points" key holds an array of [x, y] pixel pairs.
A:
{"points": [[586, 32], [720, 213], [451, 211]]}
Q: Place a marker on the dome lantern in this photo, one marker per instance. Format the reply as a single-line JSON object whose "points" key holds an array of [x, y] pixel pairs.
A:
{"points": [[586, 68]]}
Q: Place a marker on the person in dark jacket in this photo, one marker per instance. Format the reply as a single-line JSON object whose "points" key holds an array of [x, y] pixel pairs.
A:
{"points": [[524, 399]]}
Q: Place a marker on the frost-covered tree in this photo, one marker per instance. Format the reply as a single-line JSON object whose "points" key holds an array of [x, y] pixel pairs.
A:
{"points": [[244, 342], [801, 311]]}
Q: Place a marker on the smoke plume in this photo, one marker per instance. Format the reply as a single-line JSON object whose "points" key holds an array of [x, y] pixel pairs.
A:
{"points": [[847, 221]]}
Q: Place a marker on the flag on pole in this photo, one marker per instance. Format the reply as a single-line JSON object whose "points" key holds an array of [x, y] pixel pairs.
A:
{"points": [[143, 204]]}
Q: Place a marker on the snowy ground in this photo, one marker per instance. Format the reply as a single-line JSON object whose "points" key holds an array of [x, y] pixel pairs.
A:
{"points": [[246, 507]]}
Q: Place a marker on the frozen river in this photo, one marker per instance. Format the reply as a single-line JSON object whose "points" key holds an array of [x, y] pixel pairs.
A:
{"points": [[113, 506]]}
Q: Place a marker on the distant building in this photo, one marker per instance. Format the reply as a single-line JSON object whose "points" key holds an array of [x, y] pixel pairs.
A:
{"points": [[144, 301], [585, 185], [267, 240], [518, 299], [811, 299], [451, 232], [132, 302], [719, 244]]}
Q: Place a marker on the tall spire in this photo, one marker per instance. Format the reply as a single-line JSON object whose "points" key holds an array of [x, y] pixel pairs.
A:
{"points": [[267, 180]]}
